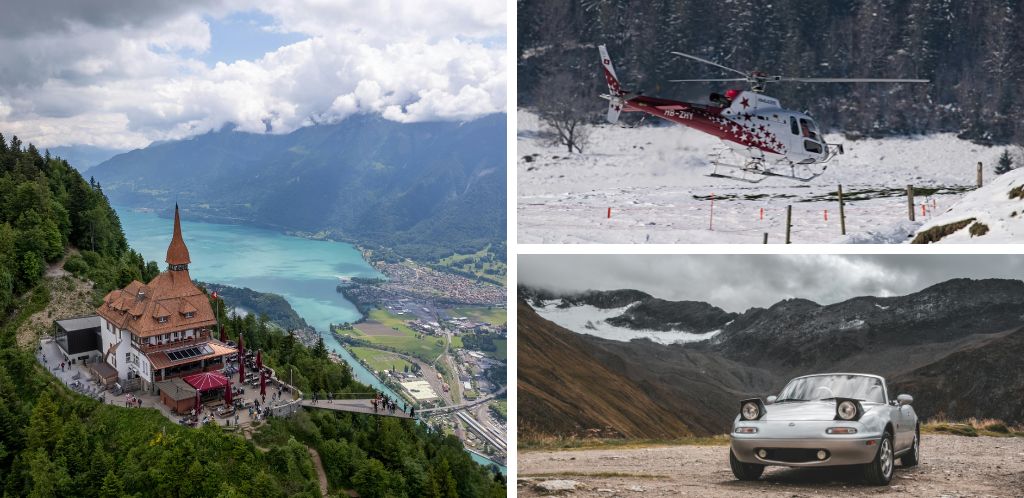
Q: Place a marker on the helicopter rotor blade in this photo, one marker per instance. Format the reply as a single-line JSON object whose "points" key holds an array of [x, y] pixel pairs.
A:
{"points": [[694, 57], [852, 80], [712, 79]]}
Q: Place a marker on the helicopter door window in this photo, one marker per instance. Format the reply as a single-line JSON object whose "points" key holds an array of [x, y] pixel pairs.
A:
{"points": [[792, 126], [812, 146]]}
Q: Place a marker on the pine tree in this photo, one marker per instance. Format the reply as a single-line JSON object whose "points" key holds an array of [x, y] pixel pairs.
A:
{"points": [[320, 350], [1005, 163], [112, 486]]}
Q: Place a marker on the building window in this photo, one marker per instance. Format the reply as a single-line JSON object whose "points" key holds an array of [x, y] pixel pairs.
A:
{"points": [[162, 319], [189, 314]]}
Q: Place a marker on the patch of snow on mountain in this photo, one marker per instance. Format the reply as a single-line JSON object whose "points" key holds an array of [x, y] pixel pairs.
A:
{"points": [[590, 320]]}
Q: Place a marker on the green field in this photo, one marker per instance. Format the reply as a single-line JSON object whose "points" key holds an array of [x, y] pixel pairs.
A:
{"points": [[494, 316], [381, 360], [391, 320], [425, 347], [466, 262]]}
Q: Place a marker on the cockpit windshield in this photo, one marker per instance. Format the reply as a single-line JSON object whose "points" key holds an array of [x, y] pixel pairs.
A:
{"points": [[809, 129], [815, 387]]}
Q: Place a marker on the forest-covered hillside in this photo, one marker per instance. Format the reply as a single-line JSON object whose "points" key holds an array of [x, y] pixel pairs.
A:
{"points": [[971, 50], [54, 442]]}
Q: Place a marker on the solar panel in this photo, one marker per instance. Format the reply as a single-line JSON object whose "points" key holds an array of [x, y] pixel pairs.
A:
{"points": [[191, 352]]}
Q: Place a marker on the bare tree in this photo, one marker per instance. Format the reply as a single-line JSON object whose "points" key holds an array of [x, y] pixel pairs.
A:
{"points": [[563, 106]]}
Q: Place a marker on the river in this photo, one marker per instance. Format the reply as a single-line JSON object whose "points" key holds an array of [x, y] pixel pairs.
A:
{"points": [[304, 271]]}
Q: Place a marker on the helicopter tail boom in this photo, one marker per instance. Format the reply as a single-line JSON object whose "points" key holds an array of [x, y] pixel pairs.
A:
{"points": [[616, 95]]}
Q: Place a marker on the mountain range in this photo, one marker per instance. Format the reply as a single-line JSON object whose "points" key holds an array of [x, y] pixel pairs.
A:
{"points": [[955, 346], [423, 190]]}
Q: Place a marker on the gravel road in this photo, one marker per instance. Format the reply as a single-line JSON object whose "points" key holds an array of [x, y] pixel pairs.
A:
{"points": [[952, 466]]}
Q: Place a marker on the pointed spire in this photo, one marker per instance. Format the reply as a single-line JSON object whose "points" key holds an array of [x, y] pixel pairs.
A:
{"points": [[177, 253]]}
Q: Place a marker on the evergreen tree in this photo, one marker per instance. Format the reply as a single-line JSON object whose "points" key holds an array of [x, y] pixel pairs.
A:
{"points": [[1005, 163], [113, 487], [320, 350]]}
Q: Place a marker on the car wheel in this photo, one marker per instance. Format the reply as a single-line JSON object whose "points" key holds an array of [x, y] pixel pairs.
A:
{"points": [[913, 456], [879, 471], [744, 471]]}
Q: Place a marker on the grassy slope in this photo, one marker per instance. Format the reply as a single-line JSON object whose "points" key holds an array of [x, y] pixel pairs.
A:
{"points": [[458, 261]]}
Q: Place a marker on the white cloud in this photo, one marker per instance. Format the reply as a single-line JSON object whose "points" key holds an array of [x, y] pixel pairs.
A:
{"points": [[123, 85]]}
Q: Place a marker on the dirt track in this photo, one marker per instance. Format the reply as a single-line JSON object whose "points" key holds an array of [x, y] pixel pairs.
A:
{"points": [[951, 466]]}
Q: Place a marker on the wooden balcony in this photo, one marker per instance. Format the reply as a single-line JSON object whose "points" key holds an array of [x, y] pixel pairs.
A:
{"points": [[202, 336]]}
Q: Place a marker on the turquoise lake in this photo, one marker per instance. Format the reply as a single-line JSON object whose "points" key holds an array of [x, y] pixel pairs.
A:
{"points": [[304, 271]]}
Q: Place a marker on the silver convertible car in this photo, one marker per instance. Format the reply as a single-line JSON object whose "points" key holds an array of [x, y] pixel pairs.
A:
{"points": [[827, 420]]}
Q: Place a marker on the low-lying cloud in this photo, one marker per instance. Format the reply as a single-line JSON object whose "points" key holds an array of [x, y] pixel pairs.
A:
{"points": [[127, 74], [738, 282]]}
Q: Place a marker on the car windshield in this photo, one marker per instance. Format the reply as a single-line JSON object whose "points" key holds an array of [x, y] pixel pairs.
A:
{"points": [[817, 387]]}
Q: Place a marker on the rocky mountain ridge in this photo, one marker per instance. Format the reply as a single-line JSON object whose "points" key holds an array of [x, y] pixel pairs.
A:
{"points": [[955, 346]]}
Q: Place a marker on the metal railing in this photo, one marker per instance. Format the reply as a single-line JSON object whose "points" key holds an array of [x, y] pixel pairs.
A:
{"points": [[202, 336]]}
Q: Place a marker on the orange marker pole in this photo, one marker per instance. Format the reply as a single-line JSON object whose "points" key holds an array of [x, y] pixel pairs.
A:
{"points": [[924, 211], [826, 215], [762, 214], [609, 213]]}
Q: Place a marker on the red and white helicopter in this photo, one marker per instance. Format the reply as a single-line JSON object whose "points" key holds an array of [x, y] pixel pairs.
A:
{"points": [[749, 123]]}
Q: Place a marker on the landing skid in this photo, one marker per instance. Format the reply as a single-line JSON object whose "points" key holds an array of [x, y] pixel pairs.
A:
{"points": [[755, 171]]}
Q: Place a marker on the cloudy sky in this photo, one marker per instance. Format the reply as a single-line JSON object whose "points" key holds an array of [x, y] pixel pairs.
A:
{"points": [[738, 282], [123, 73]]}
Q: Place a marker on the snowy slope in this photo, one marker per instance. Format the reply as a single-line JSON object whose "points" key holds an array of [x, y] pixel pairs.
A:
{"points": [[586, 319], [997, 206], [654, 180]]}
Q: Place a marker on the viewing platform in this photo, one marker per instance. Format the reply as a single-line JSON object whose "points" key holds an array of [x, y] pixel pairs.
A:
{"points": [[354, 406]]}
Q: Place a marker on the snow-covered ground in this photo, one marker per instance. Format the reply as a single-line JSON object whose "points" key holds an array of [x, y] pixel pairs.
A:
{"points": [[590, 320], [998, 206], [654, 180]]}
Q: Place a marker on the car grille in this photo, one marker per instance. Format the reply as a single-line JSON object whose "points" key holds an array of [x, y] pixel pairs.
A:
{"points": [[794, 455]]}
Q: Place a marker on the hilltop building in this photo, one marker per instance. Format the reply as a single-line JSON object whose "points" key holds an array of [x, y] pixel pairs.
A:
{"points": [[154, 332]]}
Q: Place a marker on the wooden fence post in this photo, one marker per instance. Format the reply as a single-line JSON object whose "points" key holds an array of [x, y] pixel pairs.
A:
{"points": [[910, 201], [789, 221], [766, 237], [842, 212], [979, 174]]}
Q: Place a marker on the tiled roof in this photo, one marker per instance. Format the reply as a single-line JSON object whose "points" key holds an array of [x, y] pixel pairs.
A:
{"points": [[170, 295]]}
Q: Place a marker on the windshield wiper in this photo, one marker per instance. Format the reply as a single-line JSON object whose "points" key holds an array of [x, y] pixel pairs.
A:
{"points": [[783, 400]]}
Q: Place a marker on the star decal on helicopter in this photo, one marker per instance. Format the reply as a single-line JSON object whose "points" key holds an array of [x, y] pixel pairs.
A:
{"points": [[745, 103]]}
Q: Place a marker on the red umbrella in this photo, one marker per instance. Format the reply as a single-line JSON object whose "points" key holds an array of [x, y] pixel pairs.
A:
{"points": [[223, 334], [227, 394], [263, 384], [241, 358], [259, 360], [206, 381]]}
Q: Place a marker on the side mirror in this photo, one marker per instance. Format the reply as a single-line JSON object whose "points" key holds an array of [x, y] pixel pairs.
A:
{"points": [[904, 399], [771, 399]]}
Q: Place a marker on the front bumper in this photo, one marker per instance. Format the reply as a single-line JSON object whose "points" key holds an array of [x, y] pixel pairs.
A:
{"points": [[840, 450]]}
